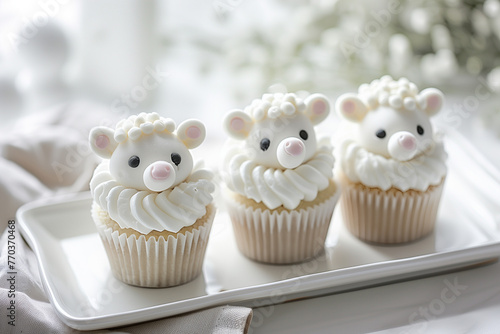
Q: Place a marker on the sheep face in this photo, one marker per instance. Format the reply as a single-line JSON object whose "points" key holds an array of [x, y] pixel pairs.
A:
{"points": [[397, 133], [156, 161], [284, 142]]}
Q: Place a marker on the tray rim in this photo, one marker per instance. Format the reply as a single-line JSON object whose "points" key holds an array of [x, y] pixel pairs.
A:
{"points": [[308, 283]]}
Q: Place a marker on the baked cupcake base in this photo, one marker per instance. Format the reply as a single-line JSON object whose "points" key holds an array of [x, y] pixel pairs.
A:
{"points": [[282, 236], [158, 259], [389, 217]]}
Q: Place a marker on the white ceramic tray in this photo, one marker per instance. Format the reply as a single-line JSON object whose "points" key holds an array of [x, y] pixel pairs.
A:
{"points": [[78, 281]]}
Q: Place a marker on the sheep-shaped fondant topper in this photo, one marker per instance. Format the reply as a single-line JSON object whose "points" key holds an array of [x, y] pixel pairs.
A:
{"points": [[392, 117], [279, 128], [147, 152]]}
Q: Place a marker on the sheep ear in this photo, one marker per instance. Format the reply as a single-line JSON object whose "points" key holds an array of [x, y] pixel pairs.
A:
{"points": [[191, 132], [102, 141], [317, 109], [433, 100], [351, 107], [238, 124]]}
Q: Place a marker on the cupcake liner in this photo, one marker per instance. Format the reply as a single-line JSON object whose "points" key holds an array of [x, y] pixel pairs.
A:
{"points": [[389, 217], [156, 261], [281, 237]]}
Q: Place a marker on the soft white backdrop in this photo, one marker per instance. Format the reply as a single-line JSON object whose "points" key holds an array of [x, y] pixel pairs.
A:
{"points": [[106, 52]]}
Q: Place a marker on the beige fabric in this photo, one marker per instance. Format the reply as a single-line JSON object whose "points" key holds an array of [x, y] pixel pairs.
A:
{"points": [[47, 154]]}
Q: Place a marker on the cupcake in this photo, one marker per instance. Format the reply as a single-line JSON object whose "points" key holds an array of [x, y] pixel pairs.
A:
{"points": [[392, 165], [152, 210], [280, 190]]}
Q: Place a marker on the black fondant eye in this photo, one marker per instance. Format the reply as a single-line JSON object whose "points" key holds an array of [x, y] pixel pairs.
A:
{"points": [[303, 134], [176, 158], [380, 134], [420, 130], [134, 161], [264, 144]]}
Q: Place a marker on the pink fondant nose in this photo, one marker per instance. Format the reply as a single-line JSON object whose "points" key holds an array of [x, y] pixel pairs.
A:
{"points": [[408, 142], [294, 147], [161, 171], [291, 152], [402, 146], [159, 176]]}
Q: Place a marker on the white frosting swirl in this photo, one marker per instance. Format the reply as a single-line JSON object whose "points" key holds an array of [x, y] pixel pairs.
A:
{"points": [[276, 187], [145, 211], [374, 170]]}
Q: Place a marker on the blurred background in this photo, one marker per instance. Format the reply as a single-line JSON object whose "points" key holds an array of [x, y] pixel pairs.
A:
{"points": [[201, 58]]}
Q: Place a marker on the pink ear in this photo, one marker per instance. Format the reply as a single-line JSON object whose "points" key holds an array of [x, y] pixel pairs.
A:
{"points": [[433, 100], [318, 108], [238, 124], [102, 141], [191, 132], [350, 107]]}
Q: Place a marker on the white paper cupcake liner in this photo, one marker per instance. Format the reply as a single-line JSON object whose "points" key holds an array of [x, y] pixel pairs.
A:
{"points": [[389, 217], [156, 262], [282, 237]]}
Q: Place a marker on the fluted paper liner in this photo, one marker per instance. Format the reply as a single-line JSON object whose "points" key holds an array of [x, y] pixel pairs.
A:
{"points": [[155, 261], [282, 236], [389, 217]]}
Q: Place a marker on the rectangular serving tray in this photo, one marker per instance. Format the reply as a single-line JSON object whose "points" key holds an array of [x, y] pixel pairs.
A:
{"points": [[78, 281]]}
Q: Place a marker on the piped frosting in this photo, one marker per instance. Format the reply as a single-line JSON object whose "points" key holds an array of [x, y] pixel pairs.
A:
{"points": [[147, 211], [277, 187], [374, 170]]}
